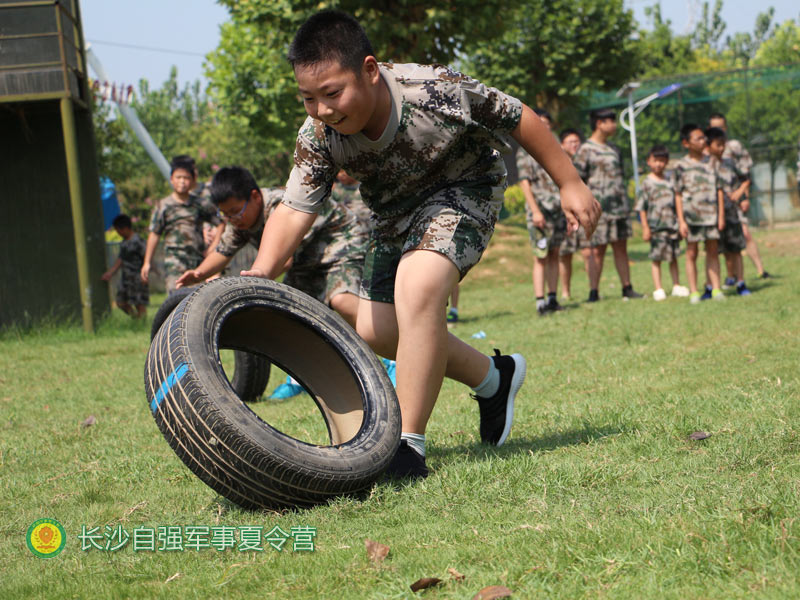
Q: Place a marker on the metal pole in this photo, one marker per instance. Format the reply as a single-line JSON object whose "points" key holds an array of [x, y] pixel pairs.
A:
{"points": [[634, 150], [76, 202]]}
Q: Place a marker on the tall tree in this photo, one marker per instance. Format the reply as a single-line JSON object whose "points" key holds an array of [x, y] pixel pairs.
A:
{"points": [[556, 51]]}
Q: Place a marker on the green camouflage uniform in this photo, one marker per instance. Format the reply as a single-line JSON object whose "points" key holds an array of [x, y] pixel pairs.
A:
{"points": [[434, 180], [181, 224], [350, 196], [728, 180], [548, 199], [696, 182], [600, 166], [743, 164], [657, 200], [132, 290], [330, 257], [574, 241]]}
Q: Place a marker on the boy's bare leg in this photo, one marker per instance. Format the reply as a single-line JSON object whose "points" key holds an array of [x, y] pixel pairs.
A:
{"points": [[414, 331], [712, 263], [346, 304], [730, 265], [599, 255], [551, 270], [752, 250], [620, 248], [127, 309], [736, 269], [141, 310], [565, 274], [674, 273], [538, 277], [655, 270], [591, 265], [691, 265]]}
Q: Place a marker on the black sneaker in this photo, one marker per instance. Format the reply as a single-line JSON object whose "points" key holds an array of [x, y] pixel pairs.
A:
{"points": [[764, 275], [497, 412], [630, 294], [553, 305], [594, 296], [407, 463]]}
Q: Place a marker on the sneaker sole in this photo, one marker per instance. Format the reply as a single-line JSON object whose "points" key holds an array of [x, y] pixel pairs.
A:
{"points": [[520, 370]]}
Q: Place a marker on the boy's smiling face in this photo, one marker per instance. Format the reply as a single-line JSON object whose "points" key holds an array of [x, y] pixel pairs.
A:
{"points": [[342, 98]]}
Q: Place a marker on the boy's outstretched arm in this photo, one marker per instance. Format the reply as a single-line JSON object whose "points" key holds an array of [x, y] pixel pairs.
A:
{"points": [[150, 249], [282, 235], [212, 264], [577, 201]]}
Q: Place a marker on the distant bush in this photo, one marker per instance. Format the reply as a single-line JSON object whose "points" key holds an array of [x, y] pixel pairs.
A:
{"points": [[514, 200]]}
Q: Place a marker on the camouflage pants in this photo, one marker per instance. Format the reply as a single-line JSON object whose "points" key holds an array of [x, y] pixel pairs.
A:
{"points": [[574, 241], [455, 222], [665, 246], [550, 236], [701, 233], [132, 290], [178, 260], [732, 238], [323, 283], [611, 228]]}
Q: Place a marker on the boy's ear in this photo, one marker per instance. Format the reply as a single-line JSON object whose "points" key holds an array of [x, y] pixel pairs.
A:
{"points": [[255, 195], [370, 69]]}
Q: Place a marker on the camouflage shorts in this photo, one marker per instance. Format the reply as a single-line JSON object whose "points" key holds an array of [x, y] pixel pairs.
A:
{"points": [[611, 228], [323, 283], [550, 236], [731, 238], [574, 241], [665, 246], [701, 233], [177, 261], [132, 290], [742, 216], [456, 222]]}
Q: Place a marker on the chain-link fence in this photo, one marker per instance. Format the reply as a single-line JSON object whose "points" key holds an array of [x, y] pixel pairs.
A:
{"points": [[762, 108]]}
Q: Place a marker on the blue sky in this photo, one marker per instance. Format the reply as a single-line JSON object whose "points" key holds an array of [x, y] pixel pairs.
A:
{"points": [[143, 39]]}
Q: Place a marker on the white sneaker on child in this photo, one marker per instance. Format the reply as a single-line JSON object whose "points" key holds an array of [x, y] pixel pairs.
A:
{"points": [[680, 291], [659, 295]]}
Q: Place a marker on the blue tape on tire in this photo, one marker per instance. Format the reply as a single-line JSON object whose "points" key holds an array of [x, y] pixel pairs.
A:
{"points": [[167, 385]]}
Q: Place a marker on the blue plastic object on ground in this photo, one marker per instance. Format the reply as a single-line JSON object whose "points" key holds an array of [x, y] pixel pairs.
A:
{"points": [[287, 390], [391, 370]]}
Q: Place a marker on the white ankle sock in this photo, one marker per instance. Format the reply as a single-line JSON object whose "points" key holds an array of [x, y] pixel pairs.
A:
{"points": [[416, 441], [490, 384]]}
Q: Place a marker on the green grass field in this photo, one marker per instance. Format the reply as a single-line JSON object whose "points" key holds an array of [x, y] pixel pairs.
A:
{"points": [[598, 492]]}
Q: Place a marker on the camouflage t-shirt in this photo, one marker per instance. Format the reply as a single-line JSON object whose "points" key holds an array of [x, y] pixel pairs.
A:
{"points": [[131, 253], [740, 157], [600, 166], [728, 180], [544, 189], [444, 130], [350, 196], [181, 223], [335, 234], [696, 182], [657, 199]]}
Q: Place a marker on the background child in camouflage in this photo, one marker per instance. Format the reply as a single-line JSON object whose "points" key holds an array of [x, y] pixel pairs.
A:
{"points": [[701, 215], [738, 154], [423, 141], [656, 206], [328, 261], [732, 188], [574, 241], [179, 218], [599, 164], [132, 291], [546, 223]]}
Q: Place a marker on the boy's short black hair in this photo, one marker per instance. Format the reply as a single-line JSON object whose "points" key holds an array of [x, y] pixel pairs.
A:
{"points": [[715, 133], [236, 182], [543, 113], [122, 222], [569, 131], [330, 35], [717, 115], [687, 129], [659, 151], [182, 161], [599, 114]]}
